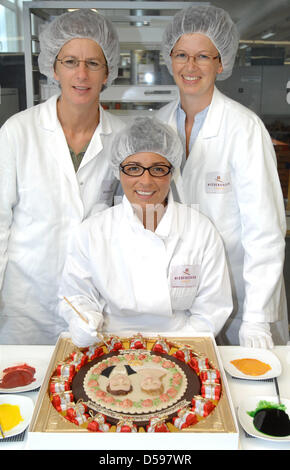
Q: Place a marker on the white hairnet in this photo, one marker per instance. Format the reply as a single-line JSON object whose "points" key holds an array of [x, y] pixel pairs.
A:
{"points": [[84, 24], [213, 22], [146, 134]]}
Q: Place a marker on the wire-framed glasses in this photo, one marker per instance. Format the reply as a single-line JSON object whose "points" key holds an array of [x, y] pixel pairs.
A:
{"points": [[73, 62], [181, 57], [133, 169]]}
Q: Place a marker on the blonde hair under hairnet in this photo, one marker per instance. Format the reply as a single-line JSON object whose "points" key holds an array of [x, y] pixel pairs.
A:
{"points": [[83, 24], [146, 134], [213, 22]]}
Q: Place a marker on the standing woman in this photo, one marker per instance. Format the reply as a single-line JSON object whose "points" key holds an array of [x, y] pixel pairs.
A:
{"points": [[229, 169], [54, 172]]}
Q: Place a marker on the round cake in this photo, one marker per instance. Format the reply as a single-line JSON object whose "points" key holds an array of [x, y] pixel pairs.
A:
{"points": [[135, 384]]}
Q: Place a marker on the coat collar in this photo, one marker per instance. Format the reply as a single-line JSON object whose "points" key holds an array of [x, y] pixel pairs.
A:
{"points": [[49, 121], [163, 229], [47, 114], [213, 119]]}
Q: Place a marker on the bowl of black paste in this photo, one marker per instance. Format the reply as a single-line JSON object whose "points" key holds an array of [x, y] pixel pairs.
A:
{"points": [[271, 419]]}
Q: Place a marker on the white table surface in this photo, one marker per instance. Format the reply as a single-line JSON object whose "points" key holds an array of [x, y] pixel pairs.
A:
{"points": [[239, 389]]}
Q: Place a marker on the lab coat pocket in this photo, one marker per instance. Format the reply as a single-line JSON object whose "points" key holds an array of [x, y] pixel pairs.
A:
{"points": [[182, 298], [39, 202], [184, 280]]}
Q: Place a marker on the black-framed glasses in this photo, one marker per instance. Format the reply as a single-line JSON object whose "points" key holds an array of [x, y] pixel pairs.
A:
{"points": [[73, 63], [181, 57], [158, 171]]}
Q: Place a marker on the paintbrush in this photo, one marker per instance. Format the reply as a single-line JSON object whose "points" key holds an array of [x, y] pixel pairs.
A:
{"points": [[85, 320]]}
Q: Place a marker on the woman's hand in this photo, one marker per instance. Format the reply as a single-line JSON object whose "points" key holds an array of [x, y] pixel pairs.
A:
{"points": [[85, 333], [255, 335]]}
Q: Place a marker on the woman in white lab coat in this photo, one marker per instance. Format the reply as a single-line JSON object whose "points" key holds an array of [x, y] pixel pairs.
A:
{"points": [[148, 264], [229, 170], [54, 172]]}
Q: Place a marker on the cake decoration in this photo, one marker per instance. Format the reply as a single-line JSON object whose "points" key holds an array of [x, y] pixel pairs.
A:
{"points": [[98, 423], [137, 342], [211, 390], [184, 354], [201, 406], [59, 385], [161, 346], [126, 425], [77, 413], [135, 384], [185, 417], [157, 424], [115, 344]]}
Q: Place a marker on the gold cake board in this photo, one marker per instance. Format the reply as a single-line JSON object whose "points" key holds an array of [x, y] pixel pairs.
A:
{"points": [[47, 419]]}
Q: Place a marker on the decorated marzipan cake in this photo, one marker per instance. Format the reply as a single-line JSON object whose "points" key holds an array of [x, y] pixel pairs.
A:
{"points": [[135, 384]]}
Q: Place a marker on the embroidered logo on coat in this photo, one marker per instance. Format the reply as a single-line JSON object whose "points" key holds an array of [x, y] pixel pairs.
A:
{"points": [[185, 276], [218, 182]]}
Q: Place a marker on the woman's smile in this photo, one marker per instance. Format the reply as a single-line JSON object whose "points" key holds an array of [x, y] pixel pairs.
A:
{"points": [[191, 80], [144, 194]]}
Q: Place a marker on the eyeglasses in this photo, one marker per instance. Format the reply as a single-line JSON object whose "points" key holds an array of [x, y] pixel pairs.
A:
{"points": [[73, 62], [158, 171], [181, 57]]}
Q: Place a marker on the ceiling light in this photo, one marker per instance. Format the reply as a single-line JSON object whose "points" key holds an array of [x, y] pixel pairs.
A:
{"points": [[149, 77]]}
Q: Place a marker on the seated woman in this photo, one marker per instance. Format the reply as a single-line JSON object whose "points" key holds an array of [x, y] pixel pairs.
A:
{"points": [[148, 264]]}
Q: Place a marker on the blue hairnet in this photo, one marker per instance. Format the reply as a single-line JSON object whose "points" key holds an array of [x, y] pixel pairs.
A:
{"points": [[213, 22], [146, 134], [84, 24]]}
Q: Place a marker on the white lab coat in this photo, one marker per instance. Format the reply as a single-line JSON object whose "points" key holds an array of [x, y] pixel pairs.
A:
{"points": [[41, 200], [172, 280], [231, 174]]}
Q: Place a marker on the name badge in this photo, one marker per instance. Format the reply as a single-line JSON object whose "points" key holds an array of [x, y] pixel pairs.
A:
{"points": [[185, 276], [218, 183]]}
